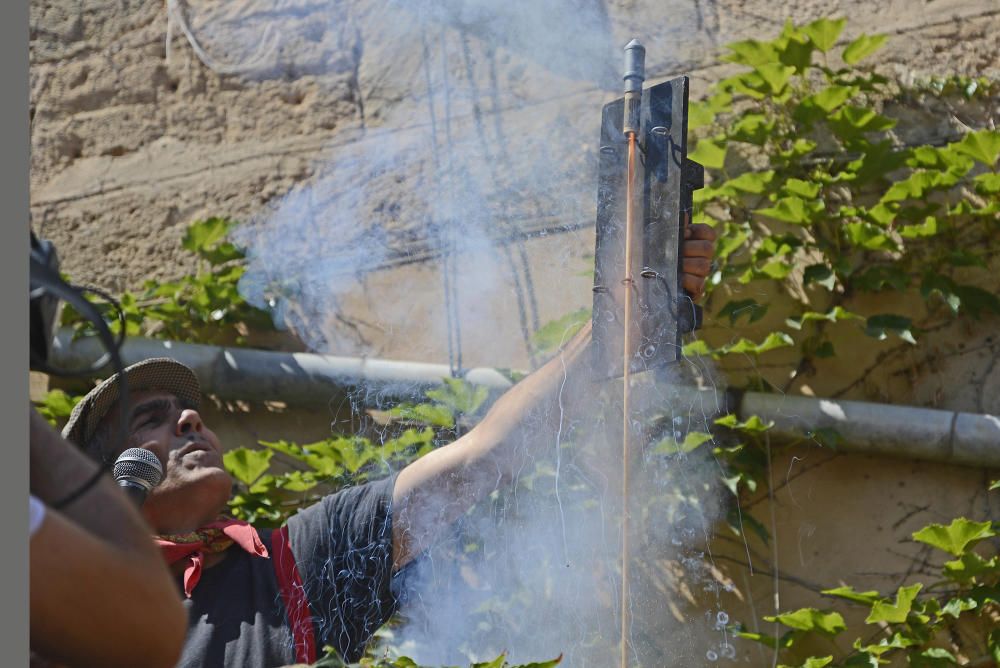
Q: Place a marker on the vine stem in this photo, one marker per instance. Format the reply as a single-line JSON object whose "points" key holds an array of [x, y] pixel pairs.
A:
{"points": [[626, 377]]}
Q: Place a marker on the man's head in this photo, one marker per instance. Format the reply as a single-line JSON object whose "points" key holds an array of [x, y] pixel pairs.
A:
{"points": [[163, 418]]}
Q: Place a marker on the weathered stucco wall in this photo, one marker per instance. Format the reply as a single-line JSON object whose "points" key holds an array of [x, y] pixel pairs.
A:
{"points": [[129, 147]]}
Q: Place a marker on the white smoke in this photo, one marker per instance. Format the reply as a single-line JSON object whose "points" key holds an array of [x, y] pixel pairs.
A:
{"points": [[479, 129]]}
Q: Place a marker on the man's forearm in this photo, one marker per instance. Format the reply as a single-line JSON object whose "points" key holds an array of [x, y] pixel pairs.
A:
{"points": [[58, 468], [435, 490]]}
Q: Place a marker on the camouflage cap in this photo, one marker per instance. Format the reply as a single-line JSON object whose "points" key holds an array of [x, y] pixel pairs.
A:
{"points": [[159, 373]]}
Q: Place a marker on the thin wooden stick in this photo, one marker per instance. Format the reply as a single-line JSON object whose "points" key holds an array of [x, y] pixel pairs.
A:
{"points": [[626, 422]]}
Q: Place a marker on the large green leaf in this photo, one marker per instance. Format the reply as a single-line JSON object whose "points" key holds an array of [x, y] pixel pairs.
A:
{"points": [[957, 537], [692, 440], [821, 274], [865, 597], [247, 465], [863, 47], [751, 52], [776, 76], [793, 210], [894, 612], [710, 152], [824, 32], [742, 307], [983, 146], [837, 313], [556, 333], [811, 619]]}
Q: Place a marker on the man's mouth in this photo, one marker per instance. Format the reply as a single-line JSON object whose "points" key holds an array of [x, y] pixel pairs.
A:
{"points": [[195, 446]]}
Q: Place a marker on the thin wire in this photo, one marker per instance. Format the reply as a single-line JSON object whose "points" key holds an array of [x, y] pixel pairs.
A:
{"points": [[626, 422]]}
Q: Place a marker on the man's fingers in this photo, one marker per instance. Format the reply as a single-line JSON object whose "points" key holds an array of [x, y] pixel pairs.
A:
{"points": [[694, 286], [700, 231], [699, 248], [696, 266]]}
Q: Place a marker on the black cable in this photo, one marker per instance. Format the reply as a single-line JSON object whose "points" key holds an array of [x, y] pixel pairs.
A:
{"points": [[45, 279]]}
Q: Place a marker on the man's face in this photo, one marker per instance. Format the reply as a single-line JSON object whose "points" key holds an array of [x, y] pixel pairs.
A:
{"points": [[195, 485]]}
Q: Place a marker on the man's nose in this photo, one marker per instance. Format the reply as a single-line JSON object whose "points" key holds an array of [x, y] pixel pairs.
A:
{"points": [[189, 421]]}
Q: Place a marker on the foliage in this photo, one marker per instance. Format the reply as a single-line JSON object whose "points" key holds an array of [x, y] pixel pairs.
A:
{"points": [[813, 193], [204, 306], [56, 406], [811, 190], [268, 498], [332, 660], [916, 621]]}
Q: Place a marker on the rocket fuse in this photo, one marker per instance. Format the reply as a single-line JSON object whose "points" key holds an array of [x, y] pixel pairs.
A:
{"points": [[635, 74]]}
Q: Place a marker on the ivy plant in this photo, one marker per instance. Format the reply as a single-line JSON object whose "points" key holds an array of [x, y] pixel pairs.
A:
{"points": [[203, 307], [813, 190]]}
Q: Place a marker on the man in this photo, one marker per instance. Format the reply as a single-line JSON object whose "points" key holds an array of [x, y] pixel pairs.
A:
{"points": [[330, 576]]}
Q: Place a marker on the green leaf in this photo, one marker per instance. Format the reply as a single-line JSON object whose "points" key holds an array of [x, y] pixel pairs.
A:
{"points": [[696, 348], [994, 485], [824, 32], [751, 52], [831, 97], [942, 285], [753, 129], [956, 606], [203, 235], [752, 425], [692, 440], [850, 121], [743, 307], [869, 236], [987, 183], [993, 643], [430, 414], [894, 613], [556, 333], [805, 189], [826, 437], [983, 146], [793, 210], [710, 152], [775, 75], [976, 300], [772, 341], [812, 662], [865, 597], [56, 405], [811, 619], [881, 276], [863, 47], [932, 658], [821, 274], [928, 229], [729, 242], [247, 465], [957, 537], [752, 182], [878, 325], [836, 314]]}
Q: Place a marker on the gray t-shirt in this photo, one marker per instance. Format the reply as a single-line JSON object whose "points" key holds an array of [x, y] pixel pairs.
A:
{"points": [[343, 551]]}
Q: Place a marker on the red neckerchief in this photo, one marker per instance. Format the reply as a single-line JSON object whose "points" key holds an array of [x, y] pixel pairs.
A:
{"points": [[210, 539]]}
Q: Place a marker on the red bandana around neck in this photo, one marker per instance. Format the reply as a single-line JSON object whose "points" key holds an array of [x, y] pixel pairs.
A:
{"points": [[209, 539]]}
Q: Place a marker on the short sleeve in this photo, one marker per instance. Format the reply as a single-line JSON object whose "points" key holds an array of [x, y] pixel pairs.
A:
{"points": [[36, 513], [343, 550]]}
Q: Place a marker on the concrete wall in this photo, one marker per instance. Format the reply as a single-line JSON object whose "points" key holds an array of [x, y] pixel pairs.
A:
{"points": [[129, 147]]}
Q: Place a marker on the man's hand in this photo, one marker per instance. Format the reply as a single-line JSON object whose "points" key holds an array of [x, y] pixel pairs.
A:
{"points": [[696, 265]]}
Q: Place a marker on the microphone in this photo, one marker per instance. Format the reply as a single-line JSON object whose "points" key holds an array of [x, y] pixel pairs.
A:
{"points": [[137, 471]]}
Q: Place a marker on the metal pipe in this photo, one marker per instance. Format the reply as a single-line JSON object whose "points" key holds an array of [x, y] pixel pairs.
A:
{"points": [[306, 379]]}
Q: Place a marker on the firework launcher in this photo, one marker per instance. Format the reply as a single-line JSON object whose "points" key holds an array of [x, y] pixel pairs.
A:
{"points": [[644, 200]]}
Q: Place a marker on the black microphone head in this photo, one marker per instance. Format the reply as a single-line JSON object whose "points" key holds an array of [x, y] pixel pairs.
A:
{"points": [[138, 466]]}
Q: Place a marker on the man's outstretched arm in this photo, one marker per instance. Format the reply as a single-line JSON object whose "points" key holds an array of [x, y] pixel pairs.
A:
{"points": [[438, 488]]}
